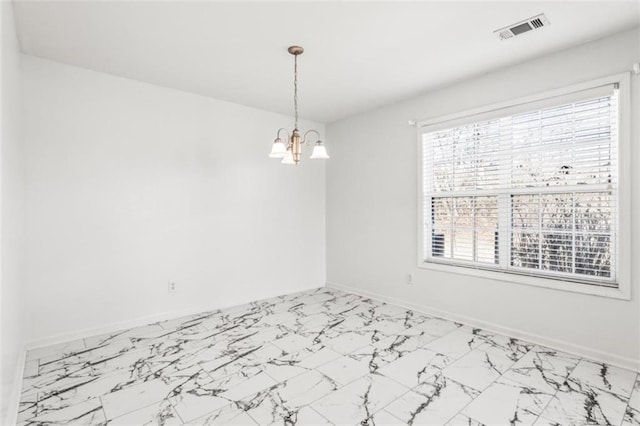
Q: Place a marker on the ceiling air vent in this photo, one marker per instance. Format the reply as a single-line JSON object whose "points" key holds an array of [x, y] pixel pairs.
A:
{"points": [[518, 28]]}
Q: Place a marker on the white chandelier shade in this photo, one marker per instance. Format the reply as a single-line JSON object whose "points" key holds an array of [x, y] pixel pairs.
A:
{"points": [[278, 150], [319, 152]]}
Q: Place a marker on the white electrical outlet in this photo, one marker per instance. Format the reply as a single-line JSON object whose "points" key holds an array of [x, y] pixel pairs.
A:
{"points": [[409, 279], [172, 287]]}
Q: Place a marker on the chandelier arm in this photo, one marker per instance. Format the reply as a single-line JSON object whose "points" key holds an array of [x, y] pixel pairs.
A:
{"points": [[304, 138], [286, 131]]}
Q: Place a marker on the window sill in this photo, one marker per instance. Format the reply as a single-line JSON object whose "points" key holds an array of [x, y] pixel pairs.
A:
{"points": [[614, 293]]}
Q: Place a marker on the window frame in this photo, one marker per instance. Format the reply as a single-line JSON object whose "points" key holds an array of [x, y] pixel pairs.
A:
{"points": [[622, 270]]}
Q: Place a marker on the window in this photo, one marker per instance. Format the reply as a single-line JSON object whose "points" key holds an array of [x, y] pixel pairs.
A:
{"points": [[530, 189]]}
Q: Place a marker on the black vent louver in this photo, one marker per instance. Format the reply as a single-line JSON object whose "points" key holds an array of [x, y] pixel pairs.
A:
{"points": [[537, 23]]}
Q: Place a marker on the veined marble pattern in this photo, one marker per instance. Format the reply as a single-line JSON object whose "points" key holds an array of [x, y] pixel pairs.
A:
{"points": [[319, 357]]}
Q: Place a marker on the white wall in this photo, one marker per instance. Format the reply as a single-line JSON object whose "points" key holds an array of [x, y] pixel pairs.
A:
{"points": [[12, 201], [372, 204], [131, 185]]}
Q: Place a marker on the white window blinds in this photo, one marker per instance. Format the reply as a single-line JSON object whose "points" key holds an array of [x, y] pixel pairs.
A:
{"points": [[529, 189]]}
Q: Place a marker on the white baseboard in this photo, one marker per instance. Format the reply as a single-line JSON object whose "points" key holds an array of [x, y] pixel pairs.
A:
{"points": [[118, 326], [11, 417], [582, 351], [141, 321]]}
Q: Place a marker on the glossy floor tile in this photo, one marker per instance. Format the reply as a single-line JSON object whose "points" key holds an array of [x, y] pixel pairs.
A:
{"points": [[319, 357]]}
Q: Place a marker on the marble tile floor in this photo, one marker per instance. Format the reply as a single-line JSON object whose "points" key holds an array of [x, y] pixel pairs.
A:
{"points": [[319, 357]]}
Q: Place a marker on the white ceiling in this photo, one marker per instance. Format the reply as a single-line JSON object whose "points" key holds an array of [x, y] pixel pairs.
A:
{"points": [[358, 55]]}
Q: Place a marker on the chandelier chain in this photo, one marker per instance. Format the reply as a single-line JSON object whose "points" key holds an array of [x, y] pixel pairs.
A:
{"points": [[295, 88]]}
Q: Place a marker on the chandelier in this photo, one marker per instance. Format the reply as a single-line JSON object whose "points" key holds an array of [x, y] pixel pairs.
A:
{"points": [[292, 152]]}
